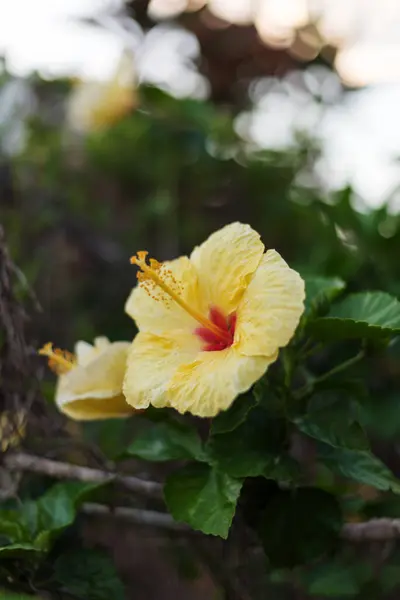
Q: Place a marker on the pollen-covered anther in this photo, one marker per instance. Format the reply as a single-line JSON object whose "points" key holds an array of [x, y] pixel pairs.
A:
{"points": [[159, 283], [60, 361]]}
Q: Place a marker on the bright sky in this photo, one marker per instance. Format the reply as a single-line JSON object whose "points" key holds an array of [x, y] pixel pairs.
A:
{"points": [[361, 134]]}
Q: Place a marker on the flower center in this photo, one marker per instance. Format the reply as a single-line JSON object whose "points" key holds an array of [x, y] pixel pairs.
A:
{"points": [[227, 325], [217, 331], [60, 361]]}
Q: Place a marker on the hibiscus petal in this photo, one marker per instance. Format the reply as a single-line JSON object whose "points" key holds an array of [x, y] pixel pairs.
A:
{"points": [[91, 409], [152, 362], [85, 352], [210, 383], [94, 390], [154, 312], [271, 307], [224, 263]]}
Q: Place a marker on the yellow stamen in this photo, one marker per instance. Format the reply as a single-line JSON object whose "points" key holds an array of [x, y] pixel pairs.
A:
{"points": [[60, 361], [152, 272]]}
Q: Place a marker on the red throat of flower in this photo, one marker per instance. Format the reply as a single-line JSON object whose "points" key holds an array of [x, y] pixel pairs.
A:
{"points": [[213, 341]]}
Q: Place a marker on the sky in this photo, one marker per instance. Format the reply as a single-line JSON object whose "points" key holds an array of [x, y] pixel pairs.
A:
{"points": [[360, 132]]}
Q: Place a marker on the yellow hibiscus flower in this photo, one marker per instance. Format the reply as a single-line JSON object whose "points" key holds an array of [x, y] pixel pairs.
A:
{"points": [[94, 105], [90, 381], [209, 325]]}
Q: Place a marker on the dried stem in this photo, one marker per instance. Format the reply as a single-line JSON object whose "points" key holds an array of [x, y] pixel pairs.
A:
{"points": [[374, 530], [136, 515], [61, 470]]}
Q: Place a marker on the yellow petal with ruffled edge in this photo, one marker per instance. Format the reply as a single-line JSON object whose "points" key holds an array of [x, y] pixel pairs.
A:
{"points": [[211, 383], [85, 352], [93, 388], [152, 362], [225, 262], [271, 307], [153, 311]]}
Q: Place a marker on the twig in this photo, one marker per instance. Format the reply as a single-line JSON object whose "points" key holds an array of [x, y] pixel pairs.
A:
{"points": [[305, 390], [374, 530], [136, 515], [61, 470]]}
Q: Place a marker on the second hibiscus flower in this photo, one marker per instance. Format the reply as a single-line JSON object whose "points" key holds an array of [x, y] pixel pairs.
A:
{"points": [[209, 325]]}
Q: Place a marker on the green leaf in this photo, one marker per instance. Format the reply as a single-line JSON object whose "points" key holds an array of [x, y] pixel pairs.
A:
{"points": [[359, 465], [336, 579], [167, 441], [54, 511], [362, 315], [89, 574], [320, 291], [235, 415], [298, 526], [268, 399], [17, 550], [12, 526], [382, 415], [251, 448], [203, 497], [389, 574], [333, 419], [109, 435]]}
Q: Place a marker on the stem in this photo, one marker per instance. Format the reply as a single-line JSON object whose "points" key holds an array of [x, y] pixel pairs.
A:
{"points": [[287, 367], [342, 367], [338, 369], [60, 470]]}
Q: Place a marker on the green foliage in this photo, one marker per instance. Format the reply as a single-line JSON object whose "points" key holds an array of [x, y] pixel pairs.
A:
{"points": [[359, 465], [320, 291], [337, 579], [88, 574], [34, 525], [203, 497], [363, 315], [253, 448], [294, 516], [235, 415], [333, 418], [167, 441]]}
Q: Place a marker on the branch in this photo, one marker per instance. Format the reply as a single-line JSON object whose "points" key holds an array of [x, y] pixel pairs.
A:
{"points": [[136, 515], [374, 530], [62, 470]]}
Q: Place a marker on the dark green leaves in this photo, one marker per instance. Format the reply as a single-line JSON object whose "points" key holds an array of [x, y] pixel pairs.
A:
{"points": [[89, 574], [250, 449], [12, 528], [359, 465], [298, 526], [203, 497], [320, 291], [337, 579], [167, 441], [363, 315], [333, 419], [230, 419]]}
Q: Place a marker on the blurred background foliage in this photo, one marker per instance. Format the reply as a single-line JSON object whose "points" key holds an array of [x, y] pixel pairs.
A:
{"points": [[90, 175]]}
